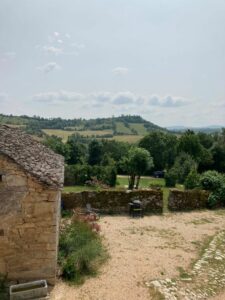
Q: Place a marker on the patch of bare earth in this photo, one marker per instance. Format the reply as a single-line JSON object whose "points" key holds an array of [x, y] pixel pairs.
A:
{"points": [[143, 250]]}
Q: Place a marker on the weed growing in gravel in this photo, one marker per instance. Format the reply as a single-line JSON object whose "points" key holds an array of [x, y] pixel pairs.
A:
{"points": [[80, 252]]}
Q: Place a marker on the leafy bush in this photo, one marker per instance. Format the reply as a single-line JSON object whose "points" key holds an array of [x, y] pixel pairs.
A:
{"points": [[184, 163], [80, 174], [110, 176], [193, 180], [80, 252], [211, 180], [171, 178], [77, 174], [214, 182]]}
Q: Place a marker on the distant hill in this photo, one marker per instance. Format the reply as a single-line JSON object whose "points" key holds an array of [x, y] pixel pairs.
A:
{"points": [[207, 129], [126, 127]]}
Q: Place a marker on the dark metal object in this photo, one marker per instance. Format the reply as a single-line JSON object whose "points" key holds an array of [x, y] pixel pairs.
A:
{"points": [[136, 209]]}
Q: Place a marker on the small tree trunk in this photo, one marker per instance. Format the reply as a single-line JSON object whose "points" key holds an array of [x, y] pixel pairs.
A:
{"points": [[131, 181], [137, 182]]}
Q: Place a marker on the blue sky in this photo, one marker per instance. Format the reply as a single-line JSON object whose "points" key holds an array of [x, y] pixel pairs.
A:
{"points": [[161, 59]]}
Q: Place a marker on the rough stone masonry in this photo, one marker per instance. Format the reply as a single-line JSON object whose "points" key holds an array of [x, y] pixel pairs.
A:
{"points": [[31, 178]]}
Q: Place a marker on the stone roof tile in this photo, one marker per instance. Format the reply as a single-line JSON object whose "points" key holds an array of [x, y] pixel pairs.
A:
{"points": [[32, 156]]}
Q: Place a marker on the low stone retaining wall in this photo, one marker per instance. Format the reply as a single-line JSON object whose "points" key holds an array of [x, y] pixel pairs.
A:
{"points": [[187, 200], [115, 201]]}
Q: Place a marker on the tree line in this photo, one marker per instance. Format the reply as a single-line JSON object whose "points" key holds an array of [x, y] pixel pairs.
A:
{"points": [[179, 156]]}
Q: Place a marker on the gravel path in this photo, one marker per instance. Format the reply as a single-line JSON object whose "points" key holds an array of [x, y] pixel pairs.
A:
{"points": [[143, 250]]}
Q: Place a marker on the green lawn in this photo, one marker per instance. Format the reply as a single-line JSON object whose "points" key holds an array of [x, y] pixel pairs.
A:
{"points": [[145, 181]]}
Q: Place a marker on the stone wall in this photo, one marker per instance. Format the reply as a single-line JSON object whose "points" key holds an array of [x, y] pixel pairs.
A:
{"points": [[114, 201], [29, 218], [187, 200]]}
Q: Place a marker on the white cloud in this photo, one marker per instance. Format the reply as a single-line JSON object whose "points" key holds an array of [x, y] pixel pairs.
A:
{"points": [[120, 71], [112, 101], [49, 67], [57, 97], [101, 97], [56, 34], [168, 101], [123, 98], [60, 41], [68, 36]]}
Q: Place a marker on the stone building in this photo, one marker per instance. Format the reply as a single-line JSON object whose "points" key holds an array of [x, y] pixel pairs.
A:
{"points": [[31, 179]]}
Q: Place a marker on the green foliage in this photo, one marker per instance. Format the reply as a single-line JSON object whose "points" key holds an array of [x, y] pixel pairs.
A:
{"points": [[76, 124], [79, 174], [211, 180], [192, 181], [95, 153], [206, 140], [214, 182], [137, 162], [206, 160], [80, 252], [189, 143], [162, 147], [110, 175], [77, 150], [34, 128], [107, 160], [171, 178], [218, 155], [56, 144], [184, 163]]}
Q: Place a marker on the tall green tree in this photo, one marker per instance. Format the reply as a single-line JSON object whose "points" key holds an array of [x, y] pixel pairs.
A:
{"points": [[163, 148], [184, 163], [136, 163], [189, 143], [95, 153], [78, 151]]}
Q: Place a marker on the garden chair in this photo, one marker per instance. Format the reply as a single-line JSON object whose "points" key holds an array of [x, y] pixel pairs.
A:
{"points": [[92, 211]]}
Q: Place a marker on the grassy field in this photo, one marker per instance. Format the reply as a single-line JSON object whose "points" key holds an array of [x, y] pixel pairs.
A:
{"points": [[121, 128], [128, 138], [64, 134], [141, 130]]}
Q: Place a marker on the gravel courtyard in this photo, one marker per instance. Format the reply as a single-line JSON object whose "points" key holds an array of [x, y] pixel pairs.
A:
{"points": [[143, 250]]}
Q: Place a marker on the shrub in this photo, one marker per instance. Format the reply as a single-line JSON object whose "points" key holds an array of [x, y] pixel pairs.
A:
{"points": [[80, 251], [184, 163], [77, 174], [110, 176], [211, 180], [171, 178], [193, 180], [214, 182], [80, 174]]}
